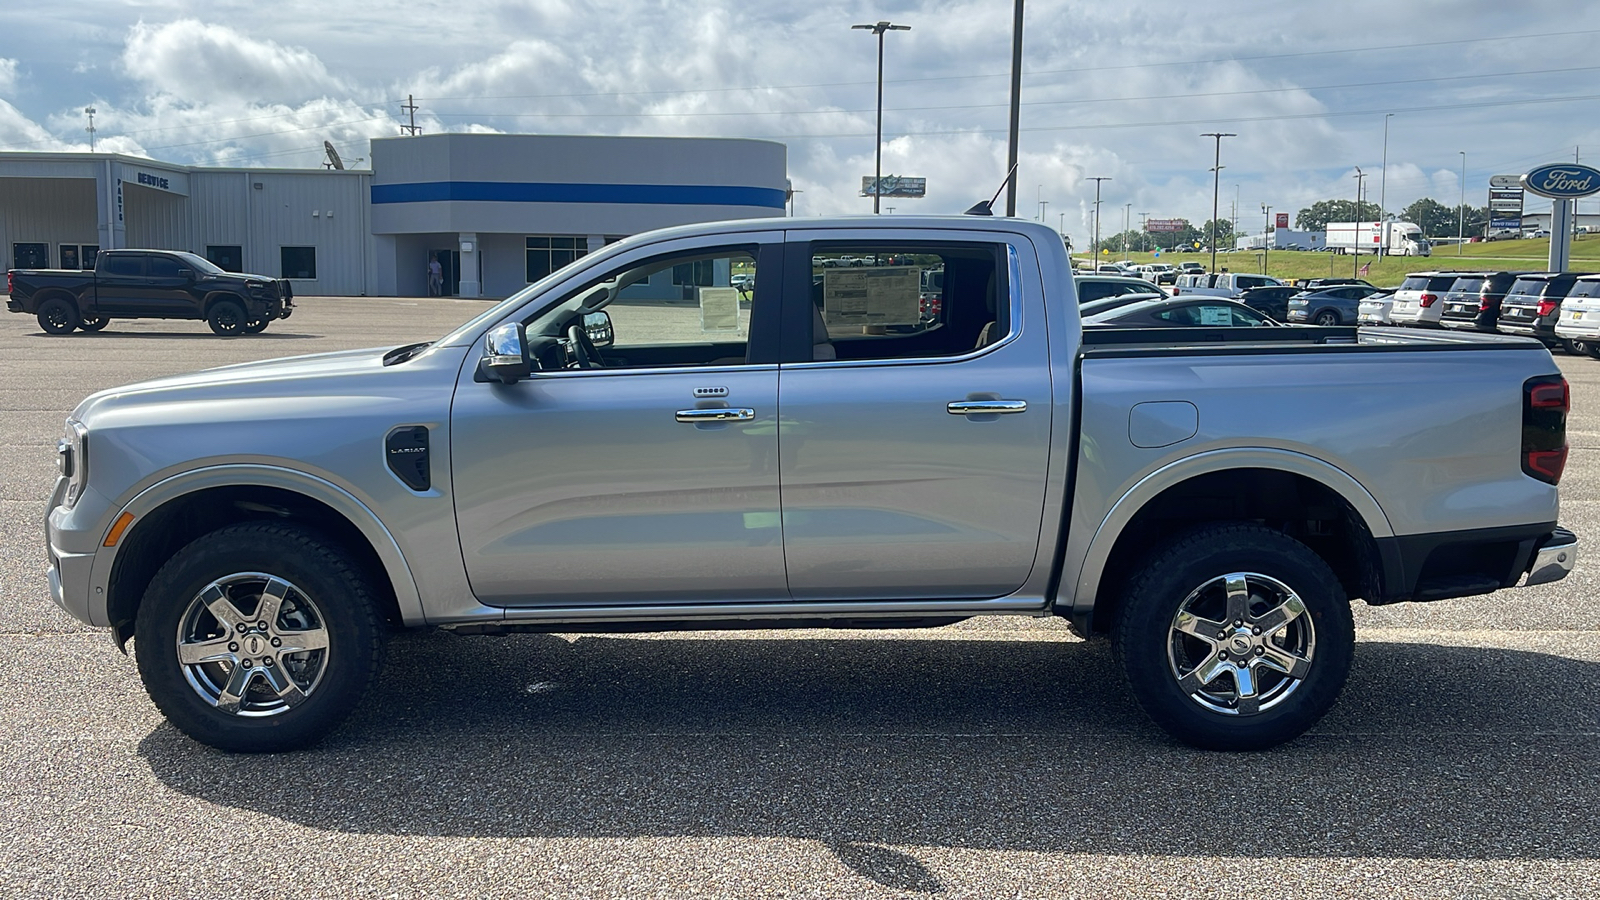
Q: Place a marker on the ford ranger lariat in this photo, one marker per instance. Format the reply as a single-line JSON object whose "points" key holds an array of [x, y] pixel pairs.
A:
{"points": [[635, 444]]}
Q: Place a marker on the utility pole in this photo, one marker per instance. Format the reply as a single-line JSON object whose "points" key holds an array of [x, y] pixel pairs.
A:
{"points": [[1042, 203], [1461, 225], [1016, 108], [1094, 249], [410, 106], [1355, 266], [1144, 232], [90, 111], [1127, 209], [1216, 183]]}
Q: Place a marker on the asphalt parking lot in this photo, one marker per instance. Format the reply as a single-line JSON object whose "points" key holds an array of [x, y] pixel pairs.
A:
{"points": [[995, 758]]}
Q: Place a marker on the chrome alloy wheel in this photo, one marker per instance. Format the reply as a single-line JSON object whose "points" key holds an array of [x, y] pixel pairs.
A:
{"points": [[252, 644], [1241, 643]]}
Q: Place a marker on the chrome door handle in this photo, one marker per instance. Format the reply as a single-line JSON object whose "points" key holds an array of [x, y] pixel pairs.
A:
{"points": [[985, 407], [719, 414]]}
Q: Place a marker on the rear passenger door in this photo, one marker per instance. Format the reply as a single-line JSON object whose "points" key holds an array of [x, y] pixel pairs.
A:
{"points": [[913, 452], [119, 284]]}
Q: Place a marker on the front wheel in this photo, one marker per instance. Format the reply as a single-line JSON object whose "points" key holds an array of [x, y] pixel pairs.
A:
{"points": [[227, 318], [258, 637], [1235, 637]]}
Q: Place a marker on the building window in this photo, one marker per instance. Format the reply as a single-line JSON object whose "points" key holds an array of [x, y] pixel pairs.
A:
{"points": [[90, 252], [69, 257], [230, 257], [299, 262], [701, 272], [549, 253], [30, 256]]}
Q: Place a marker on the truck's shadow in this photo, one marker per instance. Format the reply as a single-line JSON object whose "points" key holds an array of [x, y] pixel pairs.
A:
{"points": [[1434, 752]]}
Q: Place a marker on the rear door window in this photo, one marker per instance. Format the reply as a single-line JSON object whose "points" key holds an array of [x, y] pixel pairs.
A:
{"points": [[123, 266]]}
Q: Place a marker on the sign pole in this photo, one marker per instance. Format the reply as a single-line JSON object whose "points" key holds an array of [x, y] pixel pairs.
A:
{"points": [[1560, 235]]}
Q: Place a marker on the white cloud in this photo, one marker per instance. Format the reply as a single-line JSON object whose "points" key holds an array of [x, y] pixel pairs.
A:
{"points": [[8, 75], [196, 61]]}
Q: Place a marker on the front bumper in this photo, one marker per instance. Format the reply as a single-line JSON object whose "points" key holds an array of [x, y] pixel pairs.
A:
{"points": [[1554, 559]]}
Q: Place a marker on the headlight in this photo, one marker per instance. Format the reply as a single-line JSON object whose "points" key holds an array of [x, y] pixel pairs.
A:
{"points": [[73, 459]]}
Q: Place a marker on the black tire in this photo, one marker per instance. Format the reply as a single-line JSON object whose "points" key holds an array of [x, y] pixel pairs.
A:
{"points": [[1327, 317], [234, 699], [255, 326], [1576, 348], [58, 316], [1192, 574], [1592, 348], [93, 323], [227, 317]]}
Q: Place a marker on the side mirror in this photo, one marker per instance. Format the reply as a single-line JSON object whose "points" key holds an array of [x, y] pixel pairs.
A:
{"points": [[505, 354], [188, 274], [597, 325]]}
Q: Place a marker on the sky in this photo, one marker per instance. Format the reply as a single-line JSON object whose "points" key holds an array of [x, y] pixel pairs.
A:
{"points": [[1114, 90]]}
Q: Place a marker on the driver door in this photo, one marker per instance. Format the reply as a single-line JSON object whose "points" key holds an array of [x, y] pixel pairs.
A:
{"points": [[645, 472]]}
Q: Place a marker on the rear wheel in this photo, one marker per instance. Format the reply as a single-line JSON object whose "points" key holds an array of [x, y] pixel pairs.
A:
{"points": [[258, 637], [1592, 348], [1576, 348], [1235, 637], [1327, 317], [93, 323], [57, 316], [227, 317]]}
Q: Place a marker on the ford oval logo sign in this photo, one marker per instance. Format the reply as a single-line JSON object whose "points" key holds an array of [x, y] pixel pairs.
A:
{"points": [[1563, 181]]}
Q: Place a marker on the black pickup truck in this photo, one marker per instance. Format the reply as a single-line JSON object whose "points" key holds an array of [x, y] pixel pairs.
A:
{"points": [[148, 284]]}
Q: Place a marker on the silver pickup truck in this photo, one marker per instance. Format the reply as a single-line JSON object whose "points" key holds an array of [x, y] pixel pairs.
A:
{"points": [[633, 443]]}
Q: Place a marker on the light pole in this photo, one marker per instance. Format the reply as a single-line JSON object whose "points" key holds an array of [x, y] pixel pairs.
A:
{"points": [[1216, 184], [1127, 210], [1383, 177], [1144, 232], [89, 110], [1042, 203], [1269, 235], [1461, 222], [1355, 266], [1094, 248], [877, 169]]}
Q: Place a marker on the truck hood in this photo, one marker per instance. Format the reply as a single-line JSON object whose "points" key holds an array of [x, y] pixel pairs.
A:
{"points": [[321, 374]]}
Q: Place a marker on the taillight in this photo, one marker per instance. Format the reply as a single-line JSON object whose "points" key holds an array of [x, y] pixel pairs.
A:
{"points": [[1546, 401], [1483, 303], [1546, 307], [11, 282], [1427, 300]]}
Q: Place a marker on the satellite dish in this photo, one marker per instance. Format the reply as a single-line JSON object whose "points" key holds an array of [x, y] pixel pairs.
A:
{"points": [[334, 162]]}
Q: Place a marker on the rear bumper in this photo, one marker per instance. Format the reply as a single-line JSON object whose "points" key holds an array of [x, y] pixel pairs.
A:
{"points": [[1554, 559], [14, 304], [1448, 564], [1585, 331]]}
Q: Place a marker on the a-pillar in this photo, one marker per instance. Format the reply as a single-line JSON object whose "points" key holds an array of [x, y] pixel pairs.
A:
{"points": [[470, 286]]}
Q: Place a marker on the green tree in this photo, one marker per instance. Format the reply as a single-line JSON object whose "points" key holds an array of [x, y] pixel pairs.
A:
{"points": [[1435, 219], [1222, 229], [1317, 216]]}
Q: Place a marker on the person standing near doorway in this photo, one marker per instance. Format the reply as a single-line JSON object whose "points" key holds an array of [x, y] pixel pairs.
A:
{"points": [[435, 276]]}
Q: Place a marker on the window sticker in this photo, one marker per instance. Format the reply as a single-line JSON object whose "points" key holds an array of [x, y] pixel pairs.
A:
{"points": [[719, 309], [879, 295], [1215, 315]]}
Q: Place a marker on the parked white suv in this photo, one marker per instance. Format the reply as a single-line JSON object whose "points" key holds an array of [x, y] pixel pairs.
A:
{"points": [[1579, 319], [1418, 299]]}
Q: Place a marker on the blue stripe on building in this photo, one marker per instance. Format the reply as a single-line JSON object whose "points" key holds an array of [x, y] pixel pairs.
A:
{"points": [[531, 192]]}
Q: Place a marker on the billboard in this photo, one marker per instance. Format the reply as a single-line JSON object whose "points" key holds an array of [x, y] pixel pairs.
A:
{"points": [[895, 186], [1159, 226]]}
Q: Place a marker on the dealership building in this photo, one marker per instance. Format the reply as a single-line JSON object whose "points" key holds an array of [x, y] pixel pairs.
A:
{"points": [[497, 210]]}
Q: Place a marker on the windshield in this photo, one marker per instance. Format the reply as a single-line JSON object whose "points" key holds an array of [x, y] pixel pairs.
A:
{"points": [[520, 297], [200, 263]]}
